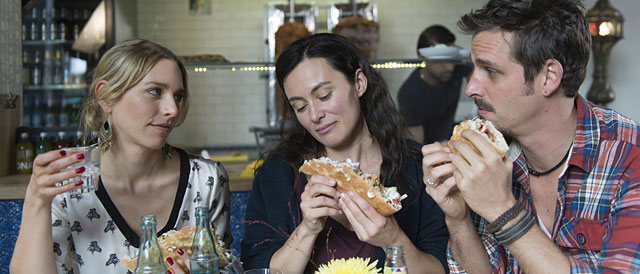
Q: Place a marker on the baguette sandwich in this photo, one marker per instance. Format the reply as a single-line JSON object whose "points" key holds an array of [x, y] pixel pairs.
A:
{"points": [[349, 177], [486, 129], [173, 240]]}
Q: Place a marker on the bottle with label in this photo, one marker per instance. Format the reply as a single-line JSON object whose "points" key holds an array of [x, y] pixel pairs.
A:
{"points": [[62, 141], [44, 145], [149, 257], [24, 154], [395, 260], [204, 258]]}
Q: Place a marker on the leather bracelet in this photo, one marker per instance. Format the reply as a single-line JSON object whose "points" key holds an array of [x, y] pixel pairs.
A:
{"points": [[517, 230], [504, 218]]}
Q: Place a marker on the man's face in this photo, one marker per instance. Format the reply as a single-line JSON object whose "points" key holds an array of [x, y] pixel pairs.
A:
{"points": [[497, 84], [440, 71]]}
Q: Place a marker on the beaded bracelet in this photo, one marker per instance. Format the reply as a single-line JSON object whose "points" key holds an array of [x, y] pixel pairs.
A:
{"points": [[504, 218], [515, 231]]}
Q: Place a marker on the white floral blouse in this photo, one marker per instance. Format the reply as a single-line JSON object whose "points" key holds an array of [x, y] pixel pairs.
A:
{"points": [[90, 235]]}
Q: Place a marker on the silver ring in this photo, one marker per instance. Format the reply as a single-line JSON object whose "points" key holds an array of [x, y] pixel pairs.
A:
{"points": [[430, 182]]}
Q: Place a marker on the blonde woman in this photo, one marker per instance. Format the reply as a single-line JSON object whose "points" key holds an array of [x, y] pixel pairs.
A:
{"points": [[138, 96]]}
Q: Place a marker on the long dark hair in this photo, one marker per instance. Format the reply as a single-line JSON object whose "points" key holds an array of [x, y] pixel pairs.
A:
{"points": [[383, 119], [543, 29]]}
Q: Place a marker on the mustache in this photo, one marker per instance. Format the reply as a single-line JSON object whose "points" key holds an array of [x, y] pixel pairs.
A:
{"points": [[482, 104]]}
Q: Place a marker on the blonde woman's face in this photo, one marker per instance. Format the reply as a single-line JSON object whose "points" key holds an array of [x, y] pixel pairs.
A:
{"points": [[148, 111]]}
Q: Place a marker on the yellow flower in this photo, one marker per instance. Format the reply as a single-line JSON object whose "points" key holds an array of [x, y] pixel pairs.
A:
{"points": [[349, 266]]}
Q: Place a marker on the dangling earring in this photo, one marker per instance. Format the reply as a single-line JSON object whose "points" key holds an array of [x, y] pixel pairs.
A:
{"points": [[104, 136], [166, 151]]}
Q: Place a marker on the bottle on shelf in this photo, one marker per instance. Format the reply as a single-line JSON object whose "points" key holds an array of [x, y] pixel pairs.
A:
{"points": [[62, 24], [33, 30], [51, 111], [44, 34], [47, 73], [24, 154], [26, 66], [204, 258], [62, 141], [63, 115], [395, 262], [77, 141], [27, 110], [149, 257], [37, 115], [44, 145], [36, 68], [53, 27]]}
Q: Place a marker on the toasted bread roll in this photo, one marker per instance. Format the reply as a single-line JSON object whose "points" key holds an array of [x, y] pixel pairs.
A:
{"points": [[349, 177], [486, 129]]}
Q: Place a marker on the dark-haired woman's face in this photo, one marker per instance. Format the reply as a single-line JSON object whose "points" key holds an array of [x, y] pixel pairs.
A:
{"points": [[325, 103]]}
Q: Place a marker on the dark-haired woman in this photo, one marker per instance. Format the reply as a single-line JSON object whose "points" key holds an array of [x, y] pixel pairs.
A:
{"points": [[343, 110]]}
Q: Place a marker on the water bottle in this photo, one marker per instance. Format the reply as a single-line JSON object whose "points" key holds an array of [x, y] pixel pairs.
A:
{"points": [[150, 256], [24, 154], [395, 260], [204, 258]]}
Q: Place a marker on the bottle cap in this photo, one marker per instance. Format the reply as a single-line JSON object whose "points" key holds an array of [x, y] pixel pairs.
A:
{"points": [[24, 135], [61, 134], [43, 134]]}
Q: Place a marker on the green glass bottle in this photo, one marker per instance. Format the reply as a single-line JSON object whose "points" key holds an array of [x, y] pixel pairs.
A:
{"points": [[204, 258], [44, 145], [149, 257]]}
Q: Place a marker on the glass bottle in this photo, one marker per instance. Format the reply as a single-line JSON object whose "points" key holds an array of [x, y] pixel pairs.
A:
{"points": [[62, 141], [149, 257], [395, 260], [24, 154], [204, 258], [44, 145]]}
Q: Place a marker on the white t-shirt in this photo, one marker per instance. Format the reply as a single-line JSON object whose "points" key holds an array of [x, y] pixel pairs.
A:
{"points": [[90, 236]]}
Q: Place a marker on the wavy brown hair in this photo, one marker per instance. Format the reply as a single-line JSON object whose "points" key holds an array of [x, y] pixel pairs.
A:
{"points": [[383, 119]]}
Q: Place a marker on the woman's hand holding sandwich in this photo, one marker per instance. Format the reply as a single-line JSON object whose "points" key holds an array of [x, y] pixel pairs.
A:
{"points": [[319, 200], [367, 223]]}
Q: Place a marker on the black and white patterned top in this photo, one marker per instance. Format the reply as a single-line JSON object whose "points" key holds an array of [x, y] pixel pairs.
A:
{"points": [[90, 235]]}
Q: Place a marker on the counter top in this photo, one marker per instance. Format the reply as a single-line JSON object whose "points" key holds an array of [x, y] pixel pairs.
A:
{"points": [[13, 187]]}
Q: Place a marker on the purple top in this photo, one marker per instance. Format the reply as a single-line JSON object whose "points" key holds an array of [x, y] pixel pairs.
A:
{"points": [[335, 240]]}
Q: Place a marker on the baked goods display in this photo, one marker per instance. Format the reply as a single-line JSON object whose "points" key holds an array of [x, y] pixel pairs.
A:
{"points": [[349, 177], [486, 129], [361, 32], [173, 240], [203, 58]]}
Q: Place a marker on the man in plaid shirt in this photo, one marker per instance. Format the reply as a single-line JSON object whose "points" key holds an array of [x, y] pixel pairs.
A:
{"points": [[573, 166]]}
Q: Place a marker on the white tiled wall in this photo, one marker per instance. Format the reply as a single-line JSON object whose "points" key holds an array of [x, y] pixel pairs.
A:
{"points": [[224, 104]]}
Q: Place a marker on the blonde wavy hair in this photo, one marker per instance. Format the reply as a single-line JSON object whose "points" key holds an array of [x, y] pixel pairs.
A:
{"points": [[122, 67]]}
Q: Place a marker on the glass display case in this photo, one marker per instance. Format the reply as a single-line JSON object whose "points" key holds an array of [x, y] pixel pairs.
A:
{"points": [[55, 73]]}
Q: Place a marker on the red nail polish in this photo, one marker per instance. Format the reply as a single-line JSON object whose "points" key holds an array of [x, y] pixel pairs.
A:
{"points": [[169, 271], [80, 156], [80, 169], [169, 260], [180, 252], [79, 183], [63, 153]]}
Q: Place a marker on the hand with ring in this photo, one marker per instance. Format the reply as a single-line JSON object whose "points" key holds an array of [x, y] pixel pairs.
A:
{"points": [[440, 183]]}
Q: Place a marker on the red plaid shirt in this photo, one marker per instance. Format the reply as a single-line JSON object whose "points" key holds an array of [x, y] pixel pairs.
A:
{"points": [[597, 218]]}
